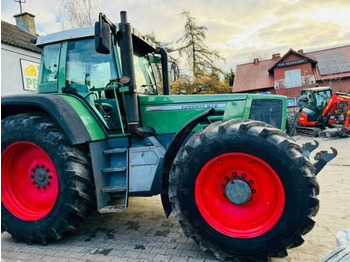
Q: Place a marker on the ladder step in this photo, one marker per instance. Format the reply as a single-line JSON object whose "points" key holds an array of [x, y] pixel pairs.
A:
{"points": [[114, 169], [115, 151], [113, 189], [112, 209]]}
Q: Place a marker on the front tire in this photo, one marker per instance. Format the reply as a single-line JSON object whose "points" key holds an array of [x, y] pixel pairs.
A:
{"points": [[243, 190], [46, 183]]}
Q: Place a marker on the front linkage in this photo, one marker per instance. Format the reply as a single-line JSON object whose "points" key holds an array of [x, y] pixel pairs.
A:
{"points": [[322, 157]]}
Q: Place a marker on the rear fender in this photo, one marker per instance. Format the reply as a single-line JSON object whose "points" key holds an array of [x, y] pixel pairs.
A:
{"points": [[60, 110]]}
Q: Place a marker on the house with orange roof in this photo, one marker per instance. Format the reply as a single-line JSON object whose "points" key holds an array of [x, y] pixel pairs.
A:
{"points": [[289, 74]]}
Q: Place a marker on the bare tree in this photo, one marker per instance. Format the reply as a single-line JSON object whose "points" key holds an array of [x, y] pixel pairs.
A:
{"points": [[76, 14], [198, 54]]}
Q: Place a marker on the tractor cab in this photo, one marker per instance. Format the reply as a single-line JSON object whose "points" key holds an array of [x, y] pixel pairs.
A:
{"points": [[317, 100], [72, 65]]}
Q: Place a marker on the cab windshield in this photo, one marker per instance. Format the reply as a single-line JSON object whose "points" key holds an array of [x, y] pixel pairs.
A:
{"points": [[86, 67]]}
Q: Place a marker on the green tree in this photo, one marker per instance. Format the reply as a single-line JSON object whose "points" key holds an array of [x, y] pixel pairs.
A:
{"points": [[198, 54], [206, 84], [230, 77]]}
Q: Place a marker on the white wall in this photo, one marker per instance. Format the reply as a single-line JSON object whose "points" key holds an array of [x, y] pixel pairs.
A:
{"points": [[11, 75]]}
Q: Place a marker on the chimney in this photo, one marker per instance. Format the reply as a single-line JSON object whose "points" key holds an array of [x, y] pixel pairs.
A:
{"points": [[25, 21], [256, 61], [301, 51], [276, 56]]}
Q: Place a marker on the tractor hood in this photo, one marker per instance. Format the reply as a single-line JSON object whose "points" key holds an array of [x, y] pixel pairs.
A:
{"points": [[168, 114]]}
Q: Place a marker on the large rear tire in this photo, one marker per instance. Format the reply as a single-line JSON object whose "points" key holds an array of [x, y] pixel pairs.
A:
{"points": [[243, 190], [46, 184]]}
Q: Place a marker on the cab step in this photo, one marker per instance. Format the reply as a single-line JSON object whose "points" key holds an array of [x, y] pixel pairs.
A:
{"points": [[113, 209], [114, 189], [114, 169]]}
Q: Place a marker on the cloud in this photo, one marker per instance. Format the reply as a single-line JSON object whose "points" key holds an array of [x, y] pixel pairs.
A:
{"points": [[239, 29]]}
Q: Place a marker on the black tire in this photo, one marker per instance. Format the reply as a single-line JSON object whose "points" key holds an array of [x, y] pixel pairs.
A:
{"points": [[290, 122], [72, 188], [263, 142]]}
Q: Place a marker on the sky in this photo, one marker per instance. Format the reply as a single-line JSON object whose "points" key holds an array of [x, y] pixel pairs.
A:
{"points": [[239, 29]]}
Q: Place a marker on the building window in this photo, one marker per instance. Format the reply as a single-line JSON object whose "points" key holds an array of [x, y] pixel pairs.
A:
{"points": [[292, 78]]}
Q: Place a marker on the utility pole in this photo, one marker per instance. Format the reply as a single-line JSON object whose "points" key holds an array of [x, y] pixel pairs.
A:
{"points": [[20, 4]]}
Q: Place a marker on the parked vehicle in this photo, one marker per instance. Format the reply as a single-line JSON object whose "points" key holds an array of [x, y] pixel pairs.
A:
{"points": [[324, 113], [237, 183]]}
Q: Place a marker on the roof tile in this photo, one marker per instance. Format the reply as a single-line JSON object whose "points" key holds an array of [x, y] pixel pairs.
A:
{"points": [[12, 35], [253, 76]]}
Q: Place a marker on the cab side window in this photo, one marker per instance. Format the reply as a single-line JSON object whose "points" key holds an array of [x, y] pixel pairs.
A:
{"points": [[50, 58]]}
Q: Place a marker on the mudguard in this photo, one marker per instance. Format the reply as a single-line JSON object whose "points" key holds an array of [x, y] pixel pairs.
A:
{"points": [[171, 153], [54, 105]]}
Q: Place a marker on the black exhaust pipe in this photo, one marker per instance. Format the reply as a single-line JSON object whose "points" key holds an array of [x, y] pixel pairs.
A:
{"points": [[165, 72], [127, 60]]}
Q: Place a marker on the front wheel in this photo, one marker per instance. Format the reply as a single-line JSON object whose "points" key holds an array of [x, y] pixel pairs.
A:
{"points": [[46, 183], [243, 190]]}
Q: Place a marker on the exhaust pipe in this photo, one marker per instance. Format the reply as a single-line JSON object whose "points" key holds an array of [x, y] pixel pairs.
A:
{"points": [[127, 60]]}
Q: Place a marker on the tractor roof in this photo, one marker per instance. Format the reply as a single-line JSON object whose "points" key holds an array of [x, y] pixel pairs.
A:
{"points": [[321, 88], [140, 42]]}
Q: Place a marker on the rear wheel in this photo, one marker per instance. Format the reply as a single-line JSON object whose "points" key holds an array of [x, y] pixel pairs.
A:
{"points": [[243, 190], [46, 183]]}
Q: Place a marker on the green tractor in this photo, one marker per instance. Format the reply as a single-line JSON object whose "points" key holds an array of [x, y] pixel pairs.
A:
{"points": [[99, 131]]}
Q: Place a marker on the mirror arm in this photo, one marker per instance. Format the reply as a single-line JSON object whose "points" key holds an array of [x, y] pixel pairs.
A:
{"points": [[104, 18]]}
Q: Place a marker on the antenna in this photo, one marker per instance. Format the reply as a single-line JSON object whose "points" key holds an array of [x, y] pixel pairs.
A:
{"points": [[20, 3]]}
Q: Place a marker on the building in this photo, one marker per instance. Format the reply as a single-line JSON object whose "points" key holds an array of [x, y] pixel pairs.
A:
{"points": [[289, 74], [20, 57]]}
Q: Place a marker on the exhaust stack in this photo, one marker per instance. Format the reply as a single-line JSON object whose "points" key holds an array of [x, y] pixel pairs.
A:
{"points": [[127, 60]]}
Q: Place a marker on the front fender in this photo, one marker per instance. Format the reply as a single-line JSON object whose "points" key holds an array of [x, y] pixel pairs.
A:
{"points": [[172, 151]]}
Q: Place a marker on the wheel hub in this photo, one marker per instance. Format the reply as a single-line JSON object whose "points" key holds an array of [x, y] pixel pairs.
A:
{"points": [[41, 176], [238, 192]]}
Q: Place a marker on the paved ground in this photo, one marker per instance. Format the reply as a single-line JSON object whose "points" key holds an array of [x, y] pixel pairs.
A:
{"points": [[144, 234]]}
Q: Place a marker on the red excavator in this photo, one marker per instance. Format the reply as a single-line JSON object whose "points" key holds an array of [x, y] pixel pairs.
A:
{"points": [[323, 113]]}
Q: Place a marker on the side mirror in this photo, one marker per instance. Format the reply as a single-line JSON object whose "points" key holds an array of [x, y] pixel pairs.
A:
{"points": [[102, 37], [174, 71]]}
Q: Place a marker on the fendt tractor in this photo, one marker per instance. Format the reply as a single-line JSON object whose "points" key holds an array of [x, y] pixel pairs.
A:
{"points": [[99, 131]]}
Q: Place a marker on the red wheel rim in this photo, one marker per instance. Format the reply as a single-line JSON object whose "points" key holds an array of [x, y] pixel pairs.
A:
{"points": [[29, 184], [248, 220]]}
